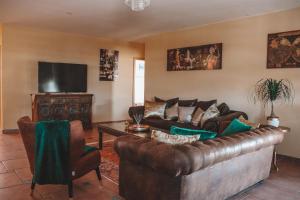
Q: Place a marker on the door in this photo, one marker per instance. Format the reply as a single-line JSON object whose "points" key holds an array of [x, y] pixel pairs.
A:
{"points": [[139, 82]]}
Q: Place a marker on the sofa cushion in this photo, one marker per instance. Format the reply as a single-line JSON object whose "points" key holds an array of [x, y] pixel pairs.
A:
{"points": [[187, 103], [204, 135], [204, 105], [154, 109], [223, 108], [173, 139], [185, 114], [172, 112], [169, 102], [236, 126], [211, 112], [197, 116]]}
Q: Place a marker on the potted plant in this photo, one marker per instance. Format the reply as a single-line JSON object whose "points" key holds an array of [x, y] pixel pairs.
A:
{"points": [[269, 90]]}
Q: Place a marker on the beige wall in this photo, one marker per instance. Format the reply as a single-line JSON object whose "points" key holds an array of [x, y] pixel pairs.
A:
{"points": [[0, 76], [24, 47], [244, 63]]}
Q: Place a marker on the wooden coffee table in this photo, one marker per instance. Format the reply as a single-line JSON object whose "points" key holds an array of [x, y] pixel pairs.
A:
{"points": [[118, 129]]}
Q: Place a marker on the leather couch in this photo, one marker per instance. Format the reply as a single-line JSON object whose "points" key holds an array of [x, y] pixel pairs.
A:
{"points": [[209, 170], [213, 124]]}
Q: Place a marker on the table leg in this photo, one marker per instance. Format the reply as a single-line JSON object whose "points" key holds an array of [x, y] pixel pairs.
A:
{"points": [[275, 159], [100, 138]]}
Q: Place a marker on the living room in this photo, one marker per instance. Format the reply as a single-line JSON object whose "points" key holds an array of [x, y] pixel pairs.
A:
{"points": [[238, 34]]}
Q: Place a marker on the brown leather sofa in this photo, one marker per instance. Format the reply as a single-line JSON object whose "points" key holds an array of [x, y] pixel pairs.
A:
{"points": [[210, 170], [212, 124], [81, 162]]}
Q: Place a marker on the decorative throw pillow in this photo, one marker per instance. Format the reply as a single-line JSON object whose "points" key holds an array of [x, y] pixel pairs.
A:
{"points": [[169, 102], [204, 105], [185, 114], [204, 135], [173, 139], [172, 112], [236, 126], [252, 124], [154, 109], [211, 112], [197, 116], [223, 108], [187, 103]]}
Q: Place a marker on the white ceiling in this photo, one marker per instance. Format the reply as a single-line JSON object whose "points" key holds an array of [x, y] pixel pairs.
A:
{"points": [[113, 19]]}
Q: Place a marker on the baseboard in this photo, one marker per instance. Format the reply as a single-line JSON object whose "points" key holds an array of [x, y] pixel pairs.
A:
{"points": [[280, 156], [10, 131]]}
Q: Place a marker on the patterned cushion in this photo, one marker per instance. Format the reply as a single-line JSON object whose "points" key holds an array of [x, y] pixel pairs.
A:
{"points": [[172, 112], [197, 116], [211, 112], [185, 114], [154, 109], [173, 139]]}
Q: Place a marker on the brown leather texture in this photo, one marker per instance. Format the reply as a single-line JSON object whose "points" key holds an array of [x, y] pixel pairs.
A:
{"points": [[213, 169], [79, 164]]}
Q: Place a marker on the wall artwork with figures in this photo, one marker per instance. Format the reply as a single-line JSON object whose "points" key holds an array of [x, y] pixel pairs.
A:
{"points": [[204, 57], [109, 60], [284, 50]]}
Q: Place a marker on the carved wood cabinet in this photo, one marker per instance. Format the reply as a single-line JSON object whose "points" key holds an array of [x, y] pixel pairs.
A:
{"points": [[63, 107]]}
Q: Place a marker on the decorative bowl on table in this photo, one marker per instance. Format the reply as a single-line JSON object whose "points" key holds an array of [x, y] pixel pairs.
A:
{"points": [[139, 128]]}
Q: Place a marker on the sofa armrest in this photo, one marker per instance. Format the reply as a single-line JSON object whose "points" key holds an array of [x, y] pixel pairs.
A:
{"points": [[213, 124], [135, 110], [176, 160]]}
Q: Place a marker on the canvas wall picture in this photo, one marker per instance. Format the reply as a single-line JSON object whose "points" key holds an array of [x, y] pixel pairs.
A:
{"points": [[109, 60], [204, 57], [284, 50]]}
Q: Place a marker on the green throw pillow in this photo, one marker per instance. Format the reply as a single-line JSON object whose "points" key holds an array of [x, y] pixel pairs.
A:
{"points": [[235, 126], [204, 135]]}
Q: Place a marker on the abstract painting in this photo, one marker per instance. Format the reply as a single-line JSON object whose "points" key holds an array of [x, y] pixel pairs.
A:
{"points": [[109, 60], [284, 50], [204, 57]]}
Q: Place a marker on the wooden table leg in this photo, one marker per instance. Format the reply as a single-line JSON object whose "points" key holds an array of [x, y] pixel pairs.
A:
{"points": [[100, 138], [275, 159]]}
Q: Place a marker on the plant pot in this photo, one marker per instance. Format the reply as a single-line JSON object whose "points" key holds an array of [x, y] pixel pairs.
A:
{"points": [[273, 121]]}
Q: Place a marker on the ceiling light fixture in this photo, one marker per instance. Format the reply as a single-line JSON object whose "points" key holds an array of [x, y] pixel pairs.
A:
{"points": [[137, 5]]}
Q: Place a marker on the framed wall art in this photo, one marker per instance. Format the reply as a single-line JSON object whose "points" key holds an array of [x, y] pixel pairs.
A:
{"points": [[204, 57], [284, 50], [109, 60]]}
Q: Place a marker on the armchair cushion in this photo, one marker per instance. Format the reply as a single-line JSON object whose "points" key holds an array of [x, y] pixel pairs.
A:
{"points": [[88, 149]]}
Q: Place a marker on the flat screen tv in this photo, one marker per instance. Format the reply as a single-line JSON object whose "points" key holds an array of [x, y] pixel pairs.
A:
{"points": [[62, 77]]}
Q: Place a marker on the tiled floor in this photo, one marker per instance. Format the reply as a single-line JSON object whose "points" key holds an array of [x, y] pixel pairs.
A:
{"points": [[15, 178]]}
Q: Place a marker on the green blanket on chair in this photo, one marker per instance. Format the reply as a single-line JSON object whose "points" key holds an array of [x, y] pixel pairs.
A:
{"points": [[52, 152]]}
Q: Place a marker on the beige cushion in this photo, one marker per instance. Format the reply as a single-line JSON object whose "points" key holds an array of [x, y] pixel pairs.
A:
{"points": [[173, 139], [197, 116], [252, 124], [185, 114], [154, 109], [172, 112], [211, 112]]}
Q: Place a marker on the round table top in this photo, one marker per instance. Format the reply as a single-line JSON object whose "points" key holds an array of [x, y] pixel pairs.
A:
{"points": [[284, 129]]}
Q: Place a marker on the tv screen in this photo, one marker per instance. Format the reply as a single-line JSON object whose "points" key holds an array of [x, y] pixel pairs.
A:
{"points": [[62, 77]]}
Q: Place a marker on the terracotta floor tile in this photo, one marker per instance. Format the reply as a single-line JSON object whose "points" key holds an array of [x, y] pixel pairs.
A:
{"points": [[9, 155], [21, 192], [16, 164], [3, 169], [24, 174], [9, 179]]}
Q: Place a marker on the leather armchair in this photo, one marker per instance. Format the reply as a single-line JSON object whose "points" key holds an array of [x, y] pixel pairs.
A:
{"points": [[80, 162]]}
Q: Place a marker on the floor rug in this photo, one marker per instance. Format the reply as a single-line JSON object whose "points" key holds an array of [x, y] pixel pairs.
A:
{"points": [[109, 166]]}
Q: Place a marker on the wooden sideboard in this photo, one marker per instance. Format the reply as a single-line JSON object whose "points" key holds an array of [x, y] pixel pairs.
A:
{"points": [[63, 107]]}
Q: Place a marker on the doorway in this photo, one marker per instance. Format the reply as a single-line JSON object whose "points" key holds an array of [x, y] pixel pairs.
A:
{"points": [[139, 82]]}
